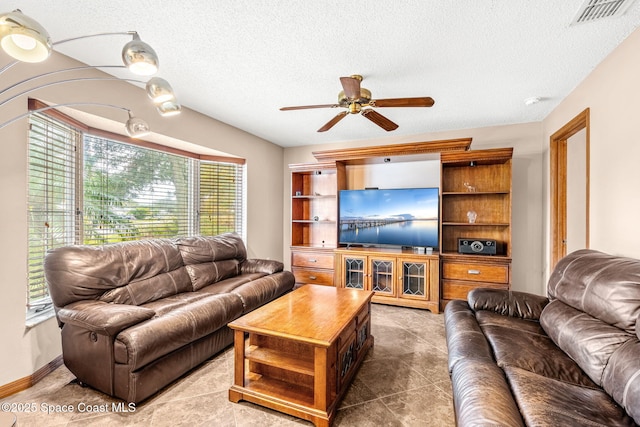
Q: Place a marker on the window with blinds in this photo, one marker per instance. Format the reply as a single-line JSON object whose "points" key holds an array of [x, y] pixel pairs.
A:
{"points": [[51, 199], [132, 193], [220, 197], [92, 190]]}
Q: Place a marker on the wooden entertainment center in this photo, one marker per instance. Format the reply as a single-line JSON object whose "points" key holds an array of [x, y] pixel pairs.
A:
{"points": [[475, 206]]}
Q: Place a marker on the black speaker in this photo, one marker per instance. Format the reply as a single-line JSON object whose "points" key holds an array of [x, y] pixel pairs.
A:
{"points": [[475, 246]]}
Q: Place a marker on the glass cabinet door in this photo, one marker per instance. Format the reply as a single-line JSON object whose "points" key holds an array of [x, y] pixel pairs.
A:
{"points": [[414, 279], [382, 275], [354, 274]]}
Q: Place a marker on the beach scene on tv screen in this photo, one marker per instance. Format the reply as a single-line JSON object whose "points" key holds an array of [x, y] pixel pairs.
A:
{"points": [[399, 217]]}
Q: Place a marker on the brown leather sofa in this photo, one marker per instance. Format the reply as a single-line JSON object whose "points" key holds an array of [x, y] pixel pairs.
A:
{"points": [[572, 359], [137, 315]]}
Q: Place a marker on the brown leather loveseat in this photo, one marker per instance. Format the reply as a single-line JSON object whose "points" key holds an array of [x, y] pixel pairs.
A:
{"points": [[572, 359], [137, 315]]}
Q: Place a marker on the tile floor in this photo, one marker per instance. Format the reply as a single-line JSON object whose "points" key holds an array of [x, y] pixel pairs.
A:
{"points": [[402, 382]]}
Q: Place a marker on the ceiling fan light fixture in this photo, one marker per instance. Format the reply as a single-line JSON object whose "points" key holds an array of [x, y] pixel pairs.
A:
{"points": [[159, 90], [355, 108], [136, 127], [24, 39], [139, 57]]}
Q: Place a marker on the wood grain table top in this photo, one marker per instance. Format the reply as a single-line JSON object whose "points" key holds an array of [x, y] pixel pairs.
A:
{"points": [[312, 313]]}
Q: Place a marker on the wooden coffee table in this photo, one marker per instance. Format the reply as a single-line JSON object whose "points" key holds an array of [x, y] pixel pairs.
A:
{"points": [[303, 351]]}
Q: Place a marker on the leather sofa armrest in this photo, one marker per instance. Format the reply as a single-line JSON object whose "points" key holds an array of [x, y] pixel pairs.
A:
{"points": [[103, 318], [266, 266], [508, 303]]}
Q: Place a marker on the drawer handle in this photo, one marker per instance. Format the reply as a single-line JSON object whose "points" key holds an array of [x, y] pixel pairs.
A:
{"points": [[473, 271], [313, 260], [312, 277]]}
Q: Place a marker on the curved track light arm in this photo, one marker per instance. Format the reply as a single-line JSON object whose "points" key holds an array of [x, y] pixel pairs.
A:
{"points": [[50, 73], [79, 79], [133, 34], [134, 127], [66, 104], [119, 33]]}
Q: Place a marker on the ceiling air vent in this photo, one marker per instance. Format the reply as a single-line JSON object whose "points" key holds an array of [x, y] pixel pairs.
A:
{"points": [[593, 10]]}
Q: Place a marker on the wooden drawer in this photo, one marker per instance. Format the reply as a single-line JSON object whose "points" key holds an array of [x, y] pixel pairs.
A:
{"points": [[452, 289], [315, 277], [310, 259], [361, 317], [475, 272]]}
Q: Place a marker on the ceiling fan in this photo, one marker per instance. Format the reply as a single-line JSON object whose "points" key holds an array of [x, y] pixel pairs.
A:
{"points": [[354, 98]]}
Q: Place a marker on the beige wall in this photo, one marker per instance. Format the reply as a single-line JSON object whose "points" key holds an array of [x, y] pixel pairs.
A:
{"points": [[527, 232], [611, 92], [25, 351]]}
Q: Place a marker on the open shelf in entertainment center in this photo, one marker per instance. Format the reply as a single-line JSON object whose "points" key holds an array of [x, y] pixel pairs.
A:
{"points": [[476, 186]]}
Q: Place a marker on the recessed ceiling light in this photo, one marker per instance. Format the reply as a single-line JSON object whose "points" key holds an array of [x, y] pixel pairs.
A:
{"points": [[532, 100]]}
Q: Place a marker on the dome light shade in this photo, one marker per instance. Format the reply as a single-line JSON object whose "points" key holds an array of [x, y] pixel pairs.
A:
{"points": [[139, 57], [159, 90], [136, 127], [23, 38], [169, 108]]}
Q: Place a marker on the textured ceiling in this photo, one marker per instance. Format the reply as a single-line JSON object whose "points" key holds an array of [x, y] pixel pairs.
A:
{"points": [[239, 61]]}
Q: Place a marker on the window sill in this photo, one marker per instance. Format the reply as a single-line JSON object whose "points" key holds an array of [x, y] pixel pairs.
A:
{"points": [[34, 319]]}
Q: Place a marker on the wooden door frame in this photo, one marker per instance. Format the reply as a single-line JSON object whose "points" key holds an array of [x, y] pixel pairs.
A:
{"points": [[558, 183]]}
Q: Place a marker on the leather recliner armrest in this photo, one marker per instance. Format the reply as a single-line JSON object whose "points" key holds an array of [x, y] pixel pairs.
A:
{"points": [[508, 303], [266, 266], [103, 318]]}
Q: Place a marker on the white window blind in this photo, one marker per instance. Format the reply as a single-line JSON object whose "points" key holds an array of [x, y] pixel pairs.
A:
{"points": [[221, 201], [133, 192], [51, 198]]}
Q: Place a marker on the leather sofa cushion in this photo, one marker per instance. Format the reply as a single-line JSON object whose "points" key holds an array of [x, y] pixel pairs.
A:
{"points": [[227, 285], [173, 302], [150, 289], [266, 288], [508, 303], [587, 340], [266, 266], [535, 353], [604, 286], [465, 339], [621, 378], [482, 396], [156, 337], [546, 401], [485, 317], [103, 318], [211, 272], [77, 273], [203, 249]]}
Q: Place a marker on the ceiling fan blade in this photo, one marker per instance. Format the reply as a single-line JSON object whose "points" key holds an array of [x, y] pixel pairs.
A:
{"points": [[403, 102], [379, 119], [351, 87], [333, 121], [305, 107]]}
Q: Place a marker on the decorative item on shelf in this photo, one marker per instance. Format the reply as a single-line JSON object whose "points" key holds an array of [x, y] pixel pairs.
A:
{"points": [[470, 188], [316, 218], [298, 193], [25, 40], [472, 216]]}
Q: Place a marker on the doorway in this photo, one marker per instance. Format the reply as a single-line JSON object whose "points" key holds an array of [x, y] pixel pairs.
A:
{"points": [[569, 158]]}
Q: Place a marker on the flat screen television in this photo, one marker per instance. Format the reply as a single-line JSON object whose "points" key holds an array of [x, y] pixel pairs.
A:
{"points": [[392, 217]]}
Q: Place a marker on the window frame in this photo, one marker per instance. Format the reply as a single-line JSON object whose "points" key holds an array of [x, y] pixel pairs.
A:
{"points": [[35, 315]]}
